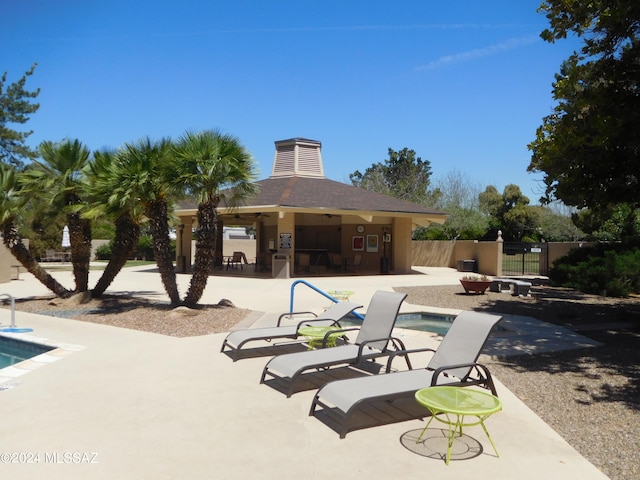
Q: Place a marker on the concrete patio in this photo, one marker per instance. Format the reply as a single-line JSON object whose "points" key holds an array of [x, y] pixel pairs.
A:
{"points": [[126, 404]]}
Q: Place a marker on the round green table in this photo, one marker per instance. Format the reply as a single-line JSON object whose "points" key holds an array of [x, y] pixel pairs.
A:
{"points": [[344, 295], [451, 405], [315, 335]]}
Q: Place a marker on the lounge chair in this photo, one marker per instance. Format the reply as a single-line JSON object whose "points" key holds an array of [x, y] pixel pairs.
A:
{"points": [[453, 363], [237, 339], [372, 341]]}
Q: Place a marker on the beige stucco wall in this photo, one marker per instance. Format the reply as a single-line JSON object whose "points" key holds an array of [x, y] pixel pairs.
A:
{"points": [[8, 271], [560, 249], [6, 260], [443, 253]]}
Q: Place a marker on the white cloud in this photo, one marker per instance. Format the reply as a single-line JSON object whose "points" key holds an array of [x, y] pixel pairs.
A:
{"points": [[491, 50]]}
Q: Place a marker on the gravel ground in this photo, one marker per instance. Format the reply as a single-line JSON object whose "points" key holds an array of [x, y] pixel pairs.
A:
{"points": [[141, 314], [590, 396]]}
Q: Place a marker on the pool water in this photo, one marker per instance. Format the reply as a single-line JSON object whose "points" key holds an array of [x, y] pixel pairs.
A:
{"points": [[14, 351], [422, 321]]}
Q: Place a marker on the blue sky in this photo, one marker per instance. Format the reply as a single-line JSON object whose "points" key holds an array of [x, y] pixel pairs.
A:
{"points": [[465, 84]]}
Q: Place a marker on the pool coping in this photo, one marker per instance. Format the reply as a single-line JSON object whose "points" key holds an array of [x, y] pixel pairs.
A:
{"points": [[59, 350]]}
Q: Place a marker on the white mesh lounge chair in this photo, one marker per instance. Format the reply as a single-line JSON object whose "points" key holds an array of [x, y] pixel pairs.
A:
{"points": [[237, 339], [453, 363], [373, 338]]}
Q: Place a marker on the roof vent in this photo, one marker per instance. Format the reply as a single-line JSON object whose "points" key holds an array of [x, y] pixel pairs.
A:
{"points": [[297, 157]]}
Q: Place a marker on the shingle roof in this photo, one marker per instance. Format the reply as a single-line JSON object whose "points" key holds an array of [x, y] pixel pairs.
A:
{"points": [[314, 193]]}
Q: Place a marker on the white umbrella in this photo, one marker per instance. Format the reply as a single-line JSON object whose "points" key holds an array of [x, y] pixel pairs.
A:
{"points": [[66, 242]]}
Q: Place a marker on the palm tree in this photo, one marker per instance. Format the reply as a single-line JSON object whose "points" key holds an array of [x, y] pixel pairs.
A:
{"points": [[213, 167], [12, 204], [144, 170], [109, 195], [56, 182]]}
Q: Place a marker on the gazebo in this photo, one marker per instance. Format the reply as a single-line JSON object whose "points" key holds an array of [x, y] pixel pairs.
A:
{"points": [[304, 221]]}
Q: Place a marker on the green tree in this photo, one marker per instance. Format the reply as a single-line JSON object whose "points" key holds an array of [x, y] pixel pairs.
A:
{"points": [[402, 175], [588, 149], [111, 197], [509, 212], [12, 207], [458, 196], [16, 105], [556, 223], [213, 167], [616, 222], [56, 181], [147, 173]]}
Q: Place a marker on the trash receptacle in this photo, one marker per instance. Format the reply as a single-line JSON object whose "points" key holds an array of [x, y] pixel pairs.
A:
{"points": [[466, 265], [280, 266], [384, 265]]}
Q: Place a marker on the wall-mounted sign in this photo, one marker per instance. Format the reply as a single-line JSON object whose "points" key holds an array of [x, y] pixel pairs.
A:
{"points": [[285, 240]]}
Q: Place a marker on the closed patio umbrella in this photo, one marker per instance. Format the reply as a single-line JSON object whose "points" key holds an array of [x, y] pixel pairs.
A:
{"points": [[66, 242]]}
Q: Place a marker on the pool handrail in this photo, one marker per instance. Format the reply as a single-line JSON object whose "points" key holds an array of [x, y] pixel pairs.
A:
{"points": [[316, 289], [13, 308]]}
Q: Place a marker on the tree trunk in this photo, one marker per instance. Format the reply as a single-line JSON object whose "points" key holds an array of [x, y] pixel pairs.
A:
{"points": [[13, 242], [160, 232], [205, 252], [80, 237], [124, 244]]}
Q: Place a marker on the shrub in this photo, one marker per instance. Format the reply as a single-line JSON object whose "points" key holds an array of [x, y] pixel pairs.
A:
{"points": [[103, 252], [610, 270], [144, 250]]}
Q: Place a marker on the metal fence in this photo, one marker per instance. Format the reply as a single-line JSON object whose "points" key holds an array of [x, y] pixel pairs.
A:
{"points": [[520, 258]]}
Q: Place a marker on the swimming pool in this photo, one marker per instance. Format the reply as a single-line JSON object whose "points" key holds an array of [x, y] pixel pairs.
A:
{"points": [[14, 351], [422, 321]]}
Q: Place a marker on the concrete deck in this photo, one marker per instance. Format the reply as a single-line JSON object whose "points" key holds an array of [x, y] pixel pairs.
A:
{"points": [[126, 404]]}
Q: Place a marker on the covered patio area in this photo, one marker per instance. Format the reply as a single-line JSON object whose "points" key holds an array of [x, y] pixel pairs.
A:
{"points": [[304, 222]]}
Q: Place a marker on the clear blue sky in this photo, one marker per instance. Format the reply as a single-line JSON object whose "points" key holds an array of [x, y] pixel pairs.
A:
{"points": [[465, 84]]}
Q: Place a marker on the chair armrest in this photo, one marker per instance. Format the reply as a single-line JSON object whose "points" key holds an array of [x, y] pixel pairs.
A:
{"points": [[484, 376], [292, 314], [397, 343], [311, 320], [405, 353], [333, 332]]}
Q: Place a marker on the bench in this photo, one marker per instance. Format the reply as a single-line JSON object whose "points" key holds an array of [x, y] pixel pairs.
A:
{"points": [[52, 256], [517, 287]]}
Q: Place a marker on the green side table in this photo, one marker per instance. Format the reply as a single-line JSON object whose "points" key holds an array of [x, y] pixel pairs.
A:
{"points": [[343, 295], [451, 405], [315, 335]]}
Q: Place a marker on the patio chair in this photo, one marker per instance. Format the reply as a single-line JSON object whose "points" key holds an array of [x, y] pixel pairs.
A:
{"points": [[373, 339], [453, 363], [237, 339], [336, 263], [353, 263], [303, 262], [235, 260]]}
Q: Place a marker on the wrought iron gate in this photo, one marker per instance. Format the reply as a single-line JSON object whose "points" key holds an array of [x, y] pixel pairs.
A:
{"points": [[520, 258]]}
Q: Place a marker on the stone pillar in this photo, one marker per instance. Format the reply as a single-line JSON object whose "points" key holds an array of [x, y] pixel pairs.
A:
{"points": [[500, 243]]}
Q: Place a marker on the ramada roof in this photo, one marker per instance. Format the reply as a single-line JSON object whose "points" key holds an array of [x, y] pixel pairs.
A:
{"points": [[298, 192], [301, 192]]}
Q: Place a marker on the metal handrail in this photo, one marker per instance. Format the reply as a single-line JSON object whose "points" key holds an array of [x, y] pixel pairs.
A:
{"points": [[13, 308], [316, 289]]}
